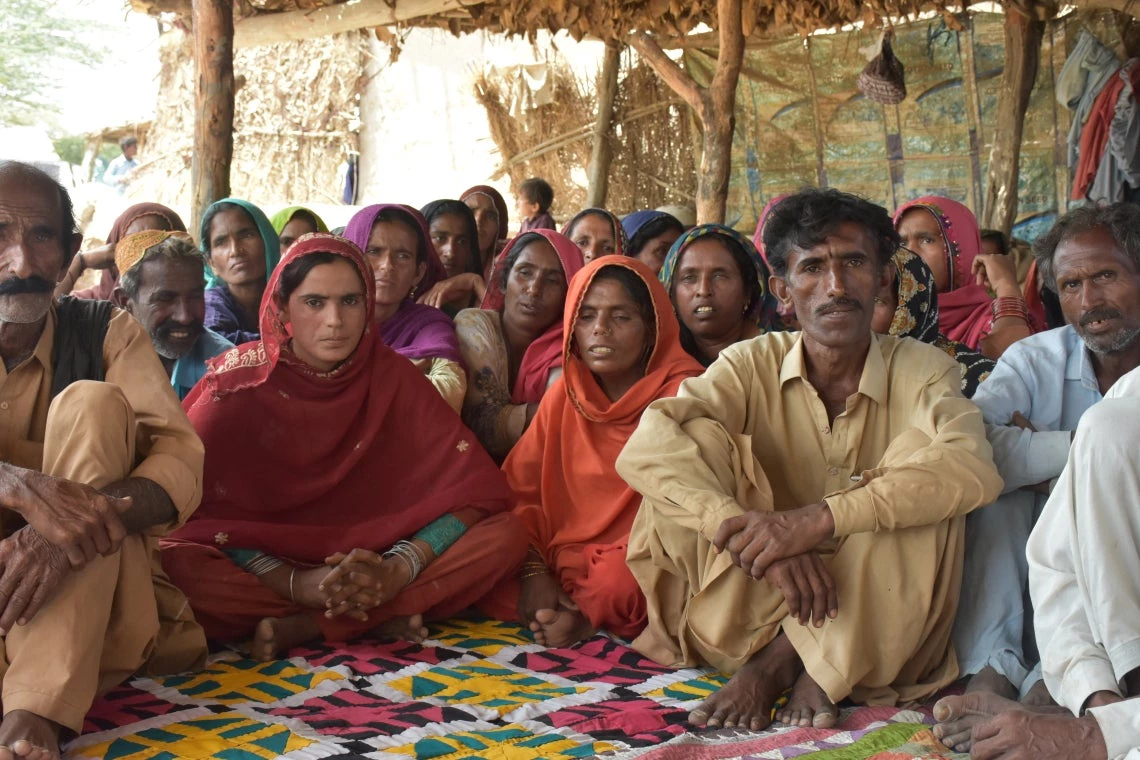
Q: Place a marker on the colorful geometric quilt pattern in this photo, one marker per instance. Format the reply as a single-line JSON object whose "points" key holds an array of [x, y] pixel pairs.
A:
{"points": [[474, 689]]}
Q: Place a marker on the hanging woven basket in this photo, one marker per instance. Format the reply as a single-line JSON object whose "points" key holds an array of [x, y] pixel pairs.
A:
{"points": [[883, 79]]}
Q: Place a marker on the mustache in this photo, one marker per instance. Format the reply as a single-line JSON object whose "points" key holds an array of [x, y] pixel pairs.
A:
{"points": [[14, 286], [1098, 314], [841, 302], [163, 330]]}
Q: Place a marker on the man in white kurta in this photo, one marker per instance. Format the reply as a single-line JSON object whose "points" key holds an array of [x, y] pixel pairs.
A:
{"points": [[1084, 578]]}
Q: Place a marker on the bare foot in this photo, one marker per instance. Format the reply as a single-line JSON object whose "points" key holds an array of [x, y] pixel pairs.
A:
{"points": [[410, 628], [957, 716], [1038, 697], [808, 706], [27, 736], [560, 628], [274, 636], [746, 700], [989, 680]]}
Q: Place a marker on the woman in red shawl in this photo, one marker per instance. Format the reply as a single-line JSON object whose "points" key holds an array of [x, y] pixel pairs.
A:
{"points": [[137, 218], [490, 212], [945, 235], [598, 233], [513, 345], [341, 497], [621, 351]]}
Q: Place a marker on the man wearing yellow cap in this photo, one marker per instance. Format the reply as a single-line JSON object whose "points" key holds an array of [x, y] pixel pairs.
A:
{"points": [[163, 284], [97, 462]]}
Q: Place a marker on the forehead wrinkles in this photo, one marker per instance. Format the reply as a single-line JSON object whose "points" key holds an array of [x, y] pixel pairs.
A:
{"points": [[27, 207]]}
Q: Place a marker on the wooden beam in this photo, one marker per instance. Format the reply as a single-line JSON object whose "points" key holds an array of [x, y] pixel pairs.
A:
{"points": [[268, 28], [715, 105], [602, 153], [1023, 37], [213, 103]]}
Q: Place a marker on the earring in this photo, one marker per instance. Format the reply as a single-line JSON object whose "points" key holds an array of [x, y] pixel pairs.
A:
{"points": [[412, 292]]}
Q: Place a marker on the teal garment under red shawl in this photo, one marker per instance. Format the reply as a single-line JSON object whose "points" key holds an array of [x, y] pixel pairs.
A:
{"points": [[301, 463]]}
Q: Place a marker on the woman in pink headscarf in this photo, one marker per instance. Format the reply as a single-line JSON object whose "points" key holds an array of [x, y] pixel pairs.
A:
{"points": [[945, 234]]}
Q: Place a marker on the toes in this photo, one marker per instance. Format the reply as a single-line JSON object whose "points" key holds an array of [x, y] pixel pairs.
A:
{"points": [[756, 724], [825, 718], [697, 717]]}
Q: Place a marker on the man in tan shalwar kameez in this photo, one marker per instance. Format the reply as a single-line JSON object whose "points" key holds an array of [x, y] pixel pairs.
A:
{"points": [[804, 498], [97, 460]]}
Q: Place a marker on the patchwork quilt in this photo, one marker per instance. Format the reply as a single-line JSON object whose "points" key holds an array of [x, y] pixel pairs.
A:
{"points": [[475, 689]]}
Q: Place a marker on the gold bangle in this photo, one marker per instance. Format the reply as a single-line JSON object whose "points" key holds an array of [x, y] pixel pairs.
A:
{"points": [[532, 574]]}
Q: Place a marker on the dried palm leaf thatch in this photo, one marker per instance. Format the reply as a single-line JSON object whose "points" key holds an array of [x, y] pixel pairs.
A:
{"points": [[654, 143], [295, 119], [651, 139], [550, 141]]}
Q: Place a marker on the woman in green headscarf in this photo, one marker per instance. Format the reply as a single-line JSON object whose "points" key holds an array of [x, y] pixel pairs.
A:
{"points": [[242, 250], [293, 222]]}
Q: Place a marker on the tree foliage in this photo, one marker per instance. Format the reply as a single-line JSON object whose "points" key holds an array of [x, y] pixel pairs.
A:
{"points": [[36, 38]]}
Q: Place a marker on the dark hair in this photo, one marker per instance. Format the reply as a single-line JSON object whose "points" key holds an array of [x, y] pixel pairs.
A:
{"points": [[652, 229], [208, 220], [593, 212], [752, 286], [806, 219], [521, 242], [445, 207], [67, 225], [399, 216], [538, 190], [295, 272], [128, 142], [304, 215], [1122, 220], [634, 287], [998, 237]]}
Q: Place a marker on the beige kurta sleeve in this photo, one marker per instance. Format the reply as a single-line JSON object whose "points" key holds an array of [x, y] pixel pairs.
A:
{"points": [[662, 462], [450, 380], [169, 451], [951, 476]]}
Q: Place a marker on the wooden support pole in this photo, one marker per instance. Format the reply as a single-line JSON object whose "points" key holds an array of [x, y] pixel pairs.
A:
{"points": [[213, 104], [602, 153], [1023, 36], [269, 28], [714, 105]]}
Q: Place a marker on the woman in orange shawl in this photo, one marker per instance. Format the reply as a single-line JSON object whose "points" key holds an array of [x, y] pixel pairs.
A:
{"points": [[621, 351]]}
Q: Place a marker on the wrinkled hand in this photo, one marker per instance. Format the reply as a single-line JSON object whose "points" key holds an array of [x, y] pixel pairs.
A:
{"points": [[31, 571], [808, 587], [540, 592], [449, 290], [101, 257], [360, 581], [998, 272], [81, 521], [1022, 735], [757, 539]]}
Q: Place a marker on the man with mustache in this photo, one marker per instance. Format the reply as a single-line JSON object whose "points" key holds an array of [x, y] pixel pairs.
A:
{"points": [[97, 460], [1032, 402], [803, 518], [163, 284]]}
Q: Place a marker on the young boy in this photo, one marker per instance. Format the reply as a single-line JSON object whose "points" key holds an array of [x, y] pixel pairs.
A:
{"points": [[535, 197]]}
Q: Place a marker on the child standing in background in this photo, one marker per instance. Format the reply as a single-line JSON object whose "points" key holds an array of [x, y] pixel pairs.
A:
{"points": [[535, 197]]}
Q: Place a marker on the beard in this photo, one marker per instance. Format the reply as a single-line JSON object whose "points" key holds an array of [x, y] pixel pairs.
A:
{"points": [[25, 300], [167, 347], [1110, 344]]}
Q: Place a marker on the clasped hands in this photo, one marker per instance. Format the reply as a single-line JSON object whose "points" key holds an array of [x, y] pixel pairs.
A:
{"points": [[357, 583], [781, 547]]}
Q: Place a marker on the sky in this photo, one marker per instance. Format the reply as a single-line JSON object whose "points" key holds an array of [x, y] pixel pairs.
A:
{"points": [[124, 87]]}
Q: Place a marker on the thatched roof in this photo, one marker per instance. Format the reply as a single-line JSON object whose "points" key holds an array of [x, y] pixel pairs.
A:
{"points": [[604, 19]]}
